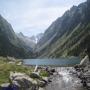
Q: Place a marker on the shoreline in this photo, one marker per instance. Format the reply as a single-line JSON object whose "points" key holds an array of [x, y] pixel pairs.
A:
{"points": [[43, 77], [64, 80]]}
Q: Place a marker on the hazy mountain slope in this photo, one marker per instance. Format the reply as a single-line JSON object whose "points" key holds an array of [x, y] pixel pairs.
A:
{"points": [[30, 42], [68, 35], [10, 44], [38, 37]]}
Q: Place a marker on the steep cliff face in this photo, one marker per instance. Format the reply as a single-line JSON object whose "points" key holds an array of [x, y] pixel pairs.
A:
{"points": [[68, 35], [10, 44]]}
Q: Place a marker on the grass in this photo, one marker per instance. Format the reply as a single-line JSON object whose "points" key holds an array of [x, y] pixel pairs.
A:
{"points": [[44, 73], [5, 69]]}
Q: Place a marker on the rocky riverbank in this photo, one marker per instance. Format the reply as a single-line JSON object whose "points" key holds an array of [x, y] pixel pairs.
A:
{"points": [[20, 77], [60, 78], [65, 80], [15, 76]]}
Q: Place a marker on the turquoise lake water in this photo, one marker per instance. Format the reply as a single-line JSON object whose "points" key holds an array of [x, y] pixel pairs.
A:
{"points": [[55, 62]]}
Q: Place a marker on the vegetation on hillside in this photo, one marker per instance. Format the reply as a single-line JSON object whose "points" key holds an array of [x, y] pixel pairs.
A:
{"points": [[69, 35]]}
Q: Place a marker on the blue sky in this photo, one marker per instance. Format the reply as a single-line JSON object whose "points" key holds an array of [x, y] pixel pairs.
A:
{"points": [[34, 16]]}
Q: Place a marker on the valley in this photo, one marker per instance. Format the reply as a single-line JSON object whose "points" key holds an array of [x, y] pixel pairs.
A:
{"points": [[69, 35], [58, 58]]}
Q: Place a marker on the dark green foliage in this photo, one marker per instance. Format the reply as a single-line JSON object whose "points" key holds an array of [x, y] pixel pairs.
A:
{"points": [[10, 44]]}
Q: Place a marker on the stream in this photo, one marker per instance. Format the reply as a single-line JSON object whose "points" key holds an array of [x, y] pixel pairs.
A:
{"points": [[64, 80]]}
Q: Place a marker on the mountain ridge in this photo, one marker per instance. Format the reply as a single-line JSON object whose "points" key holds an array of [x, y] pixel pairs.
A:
{"points": [[68, 35], [68, 32], [10, 44]]}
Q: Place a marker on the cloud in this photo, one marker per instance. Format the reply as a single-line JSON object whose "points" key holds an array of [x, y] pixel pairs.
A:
{"points": [[34, 16]]}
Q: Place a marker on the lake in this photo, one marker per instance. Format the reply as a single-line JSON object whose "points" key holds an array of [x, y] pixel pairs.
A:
{"points": [[55, 62]]}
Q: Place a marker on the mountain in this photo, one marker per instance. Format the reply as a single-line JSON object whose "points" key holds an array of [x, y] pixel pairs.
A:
{"points": [[38, 37], [33, 38], [10, 44], [69, 35], [29, 41]]}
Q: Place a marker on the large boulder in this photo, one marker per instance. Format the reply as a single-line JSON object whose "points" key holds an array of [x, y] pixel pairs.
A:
{"points": [[35, 75], [41, 83], [6, 86], [21, 81], [53, 70]]}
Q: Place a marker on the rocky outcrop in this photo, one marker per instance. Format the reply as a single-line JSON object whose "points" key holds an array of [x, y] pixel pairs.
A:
{"points": [[35, 75], [83, 71], [21, 81], [85, 61], [32, 81]]}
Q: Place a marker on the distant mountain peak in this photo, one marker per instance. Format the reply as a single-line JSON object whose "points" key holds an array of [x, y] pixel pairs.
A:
{"points": [[21, 34]]}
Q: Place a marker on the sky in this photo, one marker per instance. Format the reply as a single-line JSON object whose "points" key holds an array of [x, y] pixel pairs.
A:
{"points": [[34, 16]]}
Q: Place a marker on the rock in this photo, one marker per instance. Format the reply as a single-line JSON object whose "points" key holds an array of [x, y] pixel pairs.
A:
{"points": [[41, 88], [13, 75], [52, 70], [35, 75], [85, 61], [87, 73], [36, 68], [11, 62], [5, 86], [24, 82], [45, 78], [11, 58], [41, 83], [20, 63], [8, 86], [21, 81]]}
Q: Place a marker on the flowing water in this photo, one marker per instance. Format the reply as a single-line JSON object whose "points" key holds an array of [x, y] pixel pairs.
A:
{"points": [[63, 80]]}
